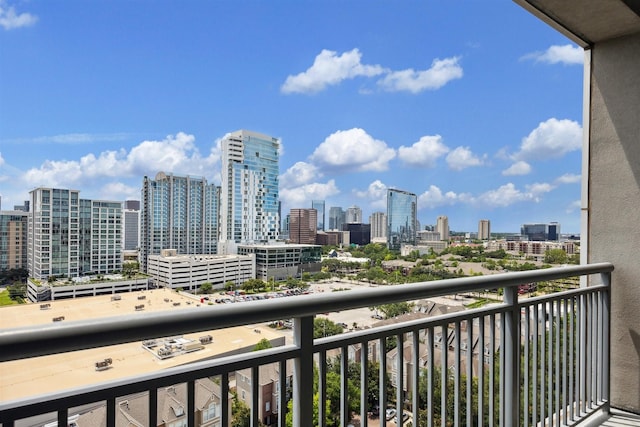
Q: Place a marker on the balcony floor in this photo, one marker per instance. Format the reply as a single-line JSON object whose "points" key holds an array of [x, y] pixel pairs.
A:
{"points": [[615, 419]]}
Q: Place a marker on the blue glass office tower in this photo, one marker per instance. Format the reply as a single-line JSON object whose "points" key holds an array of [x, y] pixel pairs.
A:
{"points": [[401, 218], [318, 205], [249, 206]]}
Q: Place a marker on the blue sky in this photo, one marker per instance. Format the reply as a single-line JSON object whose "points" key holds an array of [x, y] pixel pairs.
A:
{"points": [[474, 106]]}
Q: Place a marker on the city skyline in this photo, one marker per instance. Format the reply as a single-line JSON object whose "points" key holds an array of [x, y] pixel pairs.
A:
{"points": [[426, 106]]}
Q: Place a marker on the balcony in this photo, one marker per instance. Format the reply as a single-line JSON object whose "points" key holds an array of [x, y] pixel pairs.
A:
{"points": [[525, 361]]}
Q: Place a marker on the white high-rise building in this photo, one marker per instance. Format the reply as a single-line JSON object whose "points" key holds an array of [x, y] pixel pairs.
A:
{"points": [[249, 190], [378, 221], [178, 212], [354, 215], [71, 237], [442, 227]]}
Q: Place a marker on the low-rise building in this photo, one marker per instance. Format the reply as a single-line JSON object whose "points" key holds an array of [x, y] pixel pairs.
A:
{"points": [[190, 272], [282, 261]]}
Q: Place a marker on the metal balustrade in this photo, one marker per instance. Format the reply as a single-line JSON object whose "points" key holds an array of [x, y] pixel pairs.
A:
{"points": [[541, 361]]}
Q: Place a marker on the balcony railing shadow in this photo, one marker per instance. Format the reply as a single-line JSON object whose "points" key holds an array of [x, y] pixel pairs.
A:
{"points": [[529, 361]]}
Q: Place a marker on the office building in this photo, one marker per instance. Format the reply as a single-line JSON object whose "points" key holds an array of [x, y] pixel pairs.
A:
{"points": [[378, 221], [442, 227], [275, 262], [540, 232], [69, 236], [337, 217], [302, 226], [354, 215], [401, 218], [13, 240], [358, 234], [249, 206], [131, 225], [318, 205], [484, 229], [178, 212]]}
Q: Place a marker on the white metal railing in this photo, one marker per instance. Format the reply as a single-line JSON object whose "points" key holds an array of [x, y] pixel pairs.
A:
{"points": [[533, 361]]}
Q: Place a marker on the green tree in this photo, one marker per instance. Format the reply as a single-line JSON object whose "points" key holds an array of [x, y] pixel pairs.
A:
{"points": [[206, 288], [395, 309], [323, 327], [263, 344], [555, 256], [240, 413]]}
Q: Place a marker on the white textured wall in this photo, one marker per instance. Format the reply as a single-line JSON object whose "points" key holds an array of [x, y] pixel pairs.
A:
{"points": [[614, 202]]}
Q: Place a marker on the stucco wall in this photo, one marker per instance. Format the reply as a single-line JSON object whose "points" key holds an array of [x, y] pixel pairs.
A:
{"points": [[614, 202]]}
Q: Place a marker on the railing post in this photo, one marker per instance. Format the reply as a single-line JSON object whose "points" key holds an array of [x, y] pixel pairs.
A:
{"points": [[303, 372], [606, 337], [511, 381]]}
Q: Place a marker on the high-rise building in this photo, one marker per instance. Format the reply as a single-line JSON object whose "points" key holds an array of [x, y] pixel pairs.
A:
{"points": [[131, 225], [378, 221], [318, 205], [354, 215], [336, 218], [442, 227], [401, 218], [484, 229], [178, 212], [13, 239], [302, 226], [249, 205], [541, 231], [69, 236]]}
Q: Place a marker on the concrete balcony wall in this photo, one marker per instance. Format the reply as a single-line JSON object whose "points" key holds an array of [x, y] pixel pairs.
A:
{"points": [[614, 200]]}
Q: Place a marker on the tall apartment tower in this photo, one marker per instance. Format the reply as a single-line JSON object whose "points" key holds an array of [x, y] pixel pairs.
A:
{"points": [[401, 218], [442, 227], [336, 218], [69, 236], [302, 226], [131, 225], [13, 239], [178, 212], [484, 229], [318, 205], [378, 221], [249, 206], [354, 215]]}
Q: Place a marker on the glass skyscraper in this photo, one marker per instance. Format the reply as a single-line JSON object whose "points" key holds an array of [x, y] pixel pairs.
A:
{"points": [[249, 207], [318, 205], [178, 212], [401, 218]]}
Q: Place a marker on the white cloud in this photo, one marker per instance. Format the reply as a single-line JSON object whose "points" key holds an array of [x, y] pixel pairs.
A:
{"points": [[119, 191], [299, 174], [376, 194], [565, 54], [569, 178], [535, 190], [434, 197], [329, 69], [442, 71], [10, 19], [177, 154], [462, 158], [551, 139], [518, 168], [1, 159], [353, 150], [423, 153], [302, 195], [503, 196]]}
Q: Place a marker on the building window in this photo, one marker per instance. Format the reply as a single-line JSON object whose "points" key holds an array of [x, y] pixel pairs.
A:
{"points": [[210, 412]]}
